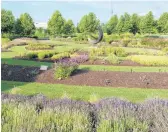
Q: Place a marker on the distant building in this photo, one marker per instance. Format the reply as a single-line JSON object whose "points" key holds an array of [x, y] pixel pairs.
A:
{"points": [[41, 24]]}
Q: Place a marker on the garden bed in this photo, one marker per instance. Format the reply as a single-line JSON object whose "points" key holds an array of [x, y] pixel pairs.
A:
{"points": [[122, 63], [88, 78]]}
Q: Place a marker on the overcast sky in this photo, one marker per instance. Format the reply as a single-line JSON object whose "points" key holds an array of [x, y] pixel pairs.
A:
{"points": [[42, 11]]}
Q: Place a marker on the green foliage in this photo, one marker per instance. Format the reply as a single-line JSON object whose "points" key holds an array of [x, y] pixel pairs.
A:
{"points": [[135, 21], [105, 51], [120, 24], [25, 25], [148, 24], [5, 40], [111, 25], [40, 55], [150, 60], [69, 27], [122, 125], [60, 56], [127, 23], [32, 55], [24, 116], [7, 21], [41, 33], [88, 23], [64, 69], [56, 24], [36, 46], [163, 23], [165, 50], [154, 42], [112, 58]]}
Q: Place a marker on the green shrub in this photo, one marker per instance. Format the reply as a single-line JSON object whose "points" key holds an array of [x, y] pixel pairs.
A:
{"points": [[150, 60], [112, 58], [105, 51], [64, 69], [154, 42], [5, 40], [61, 56], [41, 55], [32, 55], [165, 50], [35, 46], [125, 42], [127, 35]]}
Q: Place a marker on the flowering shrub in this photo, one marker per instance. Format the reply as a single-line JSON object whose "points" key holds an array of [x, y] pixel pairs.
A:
{"points": [[80, 59], [38, 113], [64, 68]]}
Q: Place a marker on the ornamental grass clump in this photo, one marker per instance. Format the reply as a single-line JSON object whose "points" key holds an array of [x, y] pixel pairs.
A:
{"points": [[112, 59], [64, 68]]}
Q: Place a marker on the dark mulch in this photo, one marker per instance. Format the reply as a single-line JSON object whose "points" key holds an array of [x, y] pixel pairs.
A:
{"points": [[113, 79], [19, 73], [88, 78]]}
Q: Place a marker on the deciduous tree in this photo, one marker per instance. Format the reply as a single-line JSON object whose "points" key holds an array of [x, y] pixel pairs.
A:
{"points": [[7, 21], [56, 24]]}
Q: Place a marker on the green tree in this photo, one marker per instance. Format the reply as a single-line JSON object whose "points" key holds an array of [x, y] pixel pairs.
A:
{"points": [[104, 27], [25, 25], [18, 28], [120, 24], [135, 21], [166, 27], [162, 22], [112, 24], [148, 24], [69, 27], [127, 23], [7, 21], [56, 24], [41, 33], [88, 23]]}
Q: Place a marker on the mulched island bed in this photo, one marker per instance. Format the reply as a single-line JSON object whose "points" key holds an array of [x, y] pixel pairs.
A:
{"points": [[88, 78]]}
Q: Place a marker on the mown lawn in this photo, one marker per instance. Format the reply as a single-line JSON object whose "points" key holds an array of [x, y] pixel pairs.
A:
{"points": [[86, 93], [10, 61], [123, 68]]}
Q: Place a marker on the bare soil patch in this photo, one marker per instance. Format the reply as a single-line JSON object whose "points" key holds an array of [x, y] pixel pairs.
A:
{"points": [[88, 78]]}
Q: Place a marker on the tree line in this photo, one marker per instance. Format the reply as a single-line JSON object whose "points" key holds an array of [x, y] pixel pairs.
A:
{"points": [[58, 25]]}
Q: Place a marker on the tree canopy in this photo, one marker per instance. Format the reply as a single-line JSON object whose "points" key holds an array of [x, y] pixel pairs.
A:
{"points": [[112, 25], [56, 24], [7, 21], [88, 23], [25, 25], [69, 27]]}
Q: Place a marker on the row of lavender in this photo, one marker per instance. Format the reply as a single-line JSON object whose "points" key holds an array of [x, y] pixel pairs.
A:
{"points": [[38, 113]]}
